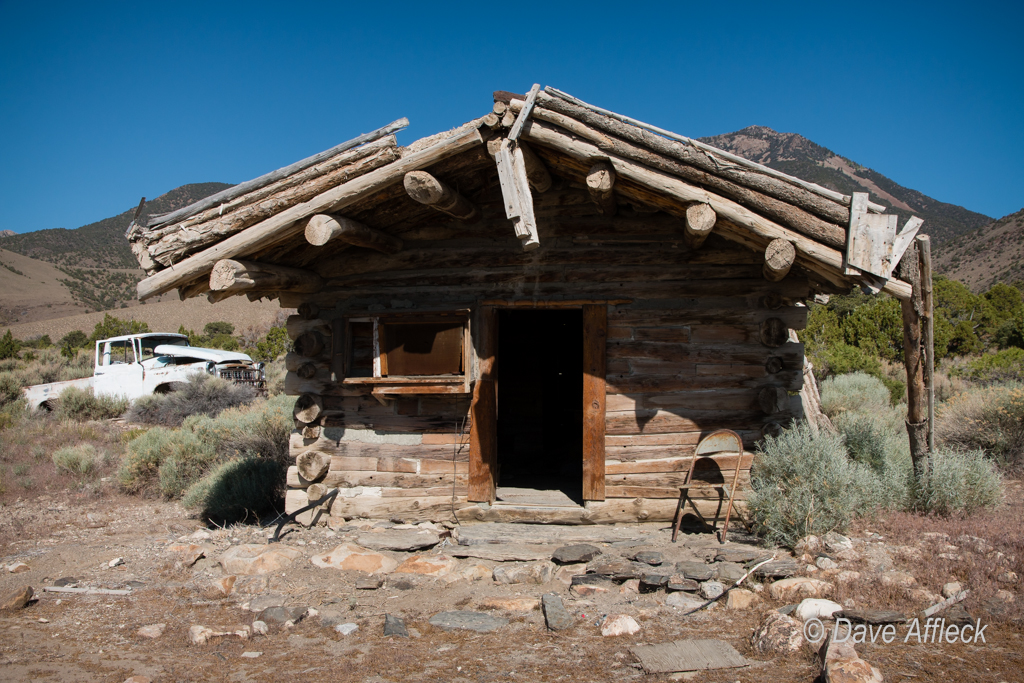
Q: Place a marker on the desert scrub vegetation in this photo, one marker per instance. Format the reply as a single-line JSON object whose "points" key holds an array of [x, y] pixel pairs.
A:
{"points": [[807, 483], [200, 395], [81, 404], [195, 457], [990, 419], [78, 460]]}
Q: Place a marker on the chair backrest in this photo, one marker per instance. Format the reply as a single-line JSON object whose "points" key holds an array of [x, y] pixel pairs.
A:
{"points": [[720, 441]]}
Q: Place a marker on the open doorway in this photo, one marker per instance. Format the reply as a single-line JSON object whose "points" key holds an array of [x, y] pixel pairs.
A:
{"points": [[540, 407]]}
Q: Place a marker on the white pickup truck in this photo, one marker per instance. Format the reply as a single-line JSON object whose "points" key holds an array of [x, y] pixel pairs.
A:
{"points": [[140, 364]]}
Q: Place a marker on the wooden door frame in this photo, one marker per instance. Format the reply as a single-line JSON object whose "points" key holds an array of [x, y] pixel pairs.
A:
{"points": [[483, 435]]}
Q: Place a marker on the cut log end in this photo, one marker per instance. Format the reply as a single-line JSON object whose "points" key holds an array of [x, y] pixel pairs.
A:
{"points": [[772, 400], [308, 408], [601, 185], [424, 188], [322, 228], [313, 465], [700, 220], [778, 259]]}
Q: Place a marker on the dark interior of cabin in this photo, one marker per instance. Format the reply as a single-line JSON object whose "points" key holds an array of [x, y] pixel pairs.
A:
{"points": [[540, 400]]}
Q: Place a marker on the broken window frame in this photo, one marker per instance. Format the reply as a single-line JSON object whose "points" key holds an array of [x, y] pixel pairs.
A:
{"points": [[387, 384]]}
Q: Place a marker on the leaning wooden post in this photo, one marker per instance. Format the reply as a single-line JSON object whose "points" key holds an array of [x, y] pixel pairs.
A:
{"points": [[913, 311], [924, 244]]}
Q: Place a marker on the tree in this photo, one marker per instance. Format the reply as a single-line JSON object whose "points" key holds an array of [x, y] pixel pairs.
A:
{"points": [[273, 345], [213, 329], [115, 327], [9, 346]]}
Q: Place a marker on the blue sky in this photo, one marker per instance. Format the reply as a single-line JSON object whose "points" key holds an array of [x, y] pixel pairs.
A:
{"points": [[101, 103]]}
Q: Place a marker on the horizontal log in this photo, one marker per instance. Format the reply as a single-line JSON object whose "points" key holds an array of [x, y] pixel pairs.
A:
{"points": [[673, 464], [661, 421], [353, 478], [718, 378], [709, 476], [282, 226]]}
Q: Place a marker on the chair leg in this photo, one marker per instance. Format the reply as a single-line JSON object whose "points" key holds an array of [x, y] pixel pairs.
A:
{"points": [[678, 519]]}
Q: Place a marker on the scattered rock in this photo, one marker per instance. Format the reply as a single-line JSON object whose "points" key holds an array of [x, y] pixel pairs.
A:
{"points": [[353, 557], [1005, 596], [17, 599], [958, 614], [474, 572], [878, 558], [225, 585], [788, 590], [408, 582], [503, 552], [696, 571], [678, 582], [399, 539], [584, 590], [116, 562], [630, 586], [260, 627], [901, 579], [346, 629], [843, 665], [923, 596], [65, 581], [199, 635], [18, 568], [778, 634], [826, 563], [590, 580], [871, 616], [530, 572], [740, 598], [138, 679], [464, 620], [619, 625], [565, 573], [190, 553], [395, 626], [280, 615], [816, 608], [249, 559], [427, 565], [651, 557], [510, 604], [810, 545], [836, 542], [252, 585], [950, 589], [616, 568], [685, 601], [152, 631], [332, 616], [847, 576], [252, 655], [651, 582], [730, 571], [556, 616], [575, 554], [1007, 577], [778, 569], [369, 583], [739, 554], [262, 602], [711, 589]]}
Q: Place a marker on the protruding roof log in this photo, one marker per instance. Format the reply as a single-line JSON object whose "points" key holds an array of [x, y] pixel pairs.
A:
{"points": [[601, 185], [323, 228], [700, 220], [426, 189], [778, 259]]}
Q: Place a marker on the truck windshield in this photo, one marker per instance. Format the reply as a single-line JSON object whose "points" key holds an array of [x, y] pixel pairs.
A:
{"points": [[150, 343]]}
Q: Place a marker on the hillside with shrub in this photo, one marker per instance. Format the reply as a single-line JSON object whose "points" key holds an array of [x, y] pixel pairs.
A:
{"points": [[981, 258]]}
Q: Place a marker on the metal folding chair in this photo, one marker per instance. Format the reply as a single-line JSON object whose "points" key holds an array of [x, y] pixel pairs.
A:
{"points": [[720, 441]]}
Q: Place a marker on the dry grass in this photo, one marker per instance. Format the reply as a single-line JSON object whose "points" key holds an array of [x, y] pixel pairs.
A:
{"points": [[987, 544], [27, 448]]}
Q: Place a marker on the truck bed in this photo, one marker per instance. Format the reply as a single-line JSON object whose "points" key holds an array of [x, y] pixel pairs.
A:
{"points": [[39, 394]]}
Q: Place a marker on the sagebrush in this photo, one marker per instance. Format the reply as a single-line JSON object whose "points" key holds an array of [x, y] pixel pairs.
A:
{"points": [[202, 394]]}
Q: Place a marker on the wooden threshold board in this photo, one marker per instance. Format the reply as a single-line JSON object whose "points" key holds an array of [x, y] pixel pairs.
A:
{"points": [[509, 495]]}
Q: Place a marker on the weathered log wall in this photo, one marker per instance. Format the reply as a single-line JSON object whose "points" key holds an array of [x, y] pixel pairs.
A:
{"points": [[695, 336]]}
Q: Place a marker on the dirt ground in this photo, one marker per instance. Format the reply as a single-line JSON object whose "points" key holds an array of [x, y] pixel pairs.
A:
{"points": [[74, 637]]}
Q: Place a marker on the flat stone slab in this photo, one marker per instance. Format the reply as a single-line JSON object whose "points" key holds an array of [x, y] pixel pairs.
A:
{"points": [[465, 620], [575, 554], [730, 571], [651, 557], [556, 616], [399, 539], [871, 616], [740, 554], [395, 626], [538, 534], [681, 583], [778, 569], [503, 552], [688, 655], [590, 580], [697, 571]]}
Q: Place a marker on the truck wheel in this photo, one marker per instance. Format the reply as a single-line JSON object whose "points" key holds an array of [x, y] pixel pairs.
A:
{"points": [[169, 388]]}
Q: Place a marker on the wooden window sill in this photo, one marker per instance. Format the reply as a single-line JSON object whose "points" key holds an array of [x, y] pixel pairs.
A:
{"points": [[411, 386]]}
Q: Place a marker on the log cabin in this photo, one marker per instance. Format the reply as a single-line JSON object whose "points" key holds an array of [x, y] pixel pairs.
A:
{"points": [[535, 316]]}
